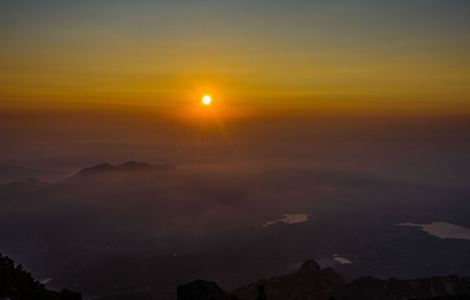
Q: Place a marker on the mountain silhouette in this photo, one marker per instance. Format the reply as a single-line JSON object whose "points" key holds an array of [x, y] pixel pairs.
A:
{"points": [[202, 290], [397, 289], [311, 282], [130, 166], [17, 284]]}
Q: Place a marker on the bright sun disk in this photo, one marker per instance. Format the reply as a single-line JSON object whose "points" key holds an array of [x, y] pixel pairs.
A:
{"points": [[206, 100]]}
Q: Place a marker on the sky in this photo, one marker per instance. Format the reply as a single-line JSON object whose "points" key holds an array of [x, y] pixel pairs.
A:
{"points": [[254, 57], [86, 82]]}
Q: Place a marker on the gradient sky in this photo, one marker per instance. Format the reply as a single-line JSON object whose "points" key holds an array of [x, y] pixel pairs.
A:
{"points": [[399, 56]]}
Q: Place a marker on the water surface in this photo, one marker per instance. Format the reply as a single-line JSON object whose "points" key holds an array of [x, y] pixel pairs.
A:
{"points": [[442, 230]]}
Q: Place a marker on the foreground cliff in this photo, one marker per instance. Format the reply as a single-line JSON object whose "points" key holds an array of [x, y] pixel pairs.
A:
{"points": [[311, 282], [17, 284], [396, 289]]}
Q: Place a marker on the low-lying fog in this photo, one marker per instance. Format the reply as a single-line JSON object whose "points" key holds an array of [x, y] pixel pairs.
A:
{"points": [[238, 211]]}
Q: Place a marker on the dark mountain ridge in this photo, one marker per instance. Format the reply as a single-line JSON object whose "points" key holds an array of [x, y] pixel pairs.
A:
{"points": [[17, 284], [102, 170], [312, 282], [130, 166], [309, 282], [392, 288]]}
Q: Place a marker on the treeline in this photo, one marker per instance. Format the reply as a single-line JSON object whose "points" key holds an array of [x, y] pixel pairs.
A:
{"points": [[18, 284]]}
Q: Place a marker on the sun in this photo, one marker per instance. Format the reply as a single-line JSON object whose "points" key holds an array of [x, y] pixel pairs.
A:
{"points": [[206, 100]]}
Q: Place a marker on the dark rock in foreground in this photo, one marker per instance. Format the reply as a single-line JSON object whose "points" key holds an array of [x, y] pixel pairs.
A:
{"points": [[396, 289], [202, 290], [310, 282], [461, 297], [17, 284], [313, 283]]}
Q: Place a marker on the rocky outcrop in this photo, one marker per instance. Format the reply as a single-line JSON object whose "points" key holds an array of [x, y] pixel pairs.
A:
{"points": [[17, 284], [396, 289], [461, 297], [202, 290], [310, 282]]}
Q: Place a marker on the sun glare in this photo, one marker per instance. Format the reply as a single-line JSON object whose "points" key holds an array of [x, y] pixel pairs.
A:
{"points": [[206, 100]]}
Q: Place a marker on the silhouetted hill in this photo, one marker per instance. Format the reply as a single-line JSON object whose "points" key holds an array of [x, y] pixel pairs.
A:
{"points": [[202, 290], [130, 166], [397, 289], [460, 297], [313, 283], [310, 282], [17, 284]]}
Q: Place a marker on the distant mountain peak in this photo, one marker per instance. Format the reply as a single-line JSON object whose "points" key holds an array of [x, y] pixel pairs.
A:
{"points": [[310, 266], [312, 282], [135, 165], [129, 166], [96, 169], [309, 282]]}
